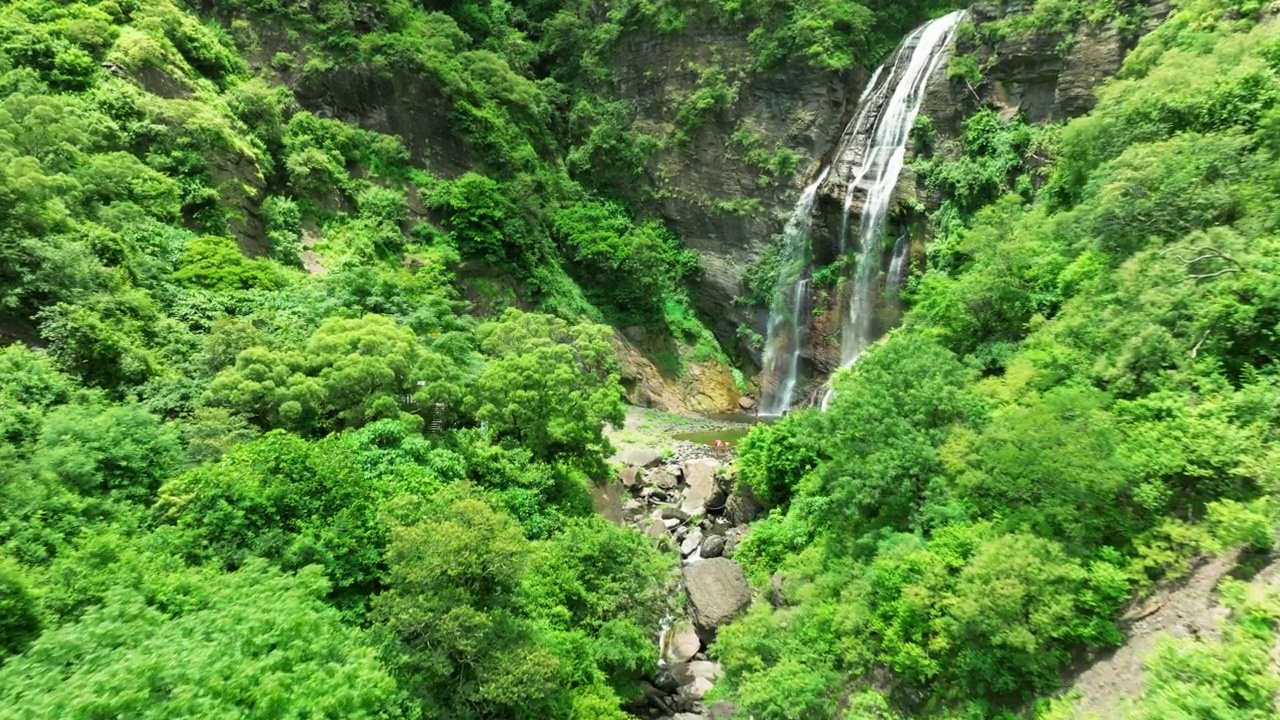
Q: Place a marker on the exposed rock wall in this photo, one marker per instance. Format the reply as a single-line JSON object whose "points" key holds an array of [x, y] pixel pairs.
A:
{"points": [[408, 105], [700, 387], [1047, 77], [721, 201], [798, 107]]}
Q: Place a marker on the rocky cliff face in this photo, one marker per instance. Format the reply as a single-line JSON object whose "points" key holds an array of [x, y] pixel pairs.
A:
{"points": [[1044, 76], [728, 210], [712, 189], [727, 182]]}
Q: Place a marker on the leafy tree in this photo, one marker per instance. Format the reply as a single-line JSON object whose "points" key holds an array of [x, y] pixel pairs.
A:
{"points": [[210, 432], [286, 500], [19, 623], [890, 413], [1165, 190], [543, 496], [548, 385], [349, 373], [117, 450], [775, 457], [215, 263], [450, 606], [628, 267], [29, 383], [477, 212], [254, 643], [106, 345], [1055, 468], [987, 615], [605, 584]]}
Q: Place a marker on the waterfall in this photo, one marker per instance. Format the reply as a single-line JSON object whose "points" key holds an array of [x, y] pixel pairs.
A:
{"points": [[872, 154], [786, 313], [868, 160]]}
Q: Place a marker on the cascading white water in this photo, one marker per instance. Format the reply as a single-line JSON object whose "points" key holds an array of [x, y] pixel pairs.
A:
{"points": [[871, 154], [786, 313], [876, 145], [898, 265]]}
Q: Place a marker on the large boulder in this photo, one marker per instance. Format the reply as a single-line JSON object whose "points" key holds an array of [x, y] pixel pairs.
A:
{"points": [[633, 510], [671, 511], [654, 528], [644, 458], [696, 679], [717, 590], [607, 500], [731, 540], [742, 506], [691, 543], [713, 546], [663, 479], [631, 477], [682, 643], [700, 477]]}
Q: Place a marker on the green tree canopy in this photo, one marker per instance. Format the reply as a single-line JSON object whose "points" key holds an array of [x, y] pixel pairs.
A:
{"points": [[549, 385], [255, 643]]}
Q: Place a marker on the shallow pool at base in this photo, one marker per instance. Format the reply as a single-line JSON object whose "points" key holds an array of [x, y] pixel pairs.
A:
{"points": [[729, 436]]}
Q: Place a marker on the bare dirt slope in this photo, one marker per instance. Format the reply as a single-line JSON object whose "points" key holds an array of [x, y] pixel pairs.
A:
{"points": [[1189, 607]]}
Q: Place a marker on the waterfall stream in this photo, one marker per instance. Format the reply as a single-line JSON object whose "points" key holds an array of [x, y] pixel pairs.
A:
{"points": [[869, 160], [878, 152], [787, 313]]}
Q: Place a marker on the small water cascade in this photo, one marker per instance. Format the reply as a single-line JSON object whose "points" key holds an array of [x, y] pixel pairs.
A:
{"points": [[898, 265], [790, 300]]}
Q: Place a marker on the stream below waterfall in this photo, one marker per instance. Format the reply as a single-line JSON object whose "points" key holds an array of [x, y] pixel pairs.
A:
{"points": [[673, 485]]}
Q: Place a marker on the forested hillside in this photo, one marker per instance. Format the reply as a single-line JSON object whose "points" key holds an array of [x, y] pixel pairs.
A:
{"points": [[1082, 402], [311, 316], [272, 447]]}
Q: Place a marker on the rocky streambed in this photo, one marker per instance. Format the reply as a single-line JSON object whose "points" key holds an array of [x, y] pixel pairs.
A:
{"points": [[684, 500]]}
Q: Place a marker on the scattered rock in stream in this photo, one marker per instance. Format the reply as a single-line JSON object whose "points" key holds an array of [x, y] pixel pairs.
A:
{"points": [[742, 506], [718, 592], [682, 643], [712, 547], [700, 478], [641, 458], [683, 504], [632, 478], [691, 543]]}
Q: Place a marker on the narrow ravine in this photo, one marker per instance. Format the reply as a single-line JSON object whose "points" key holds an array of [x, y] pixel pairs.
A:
{"points": [[680, 495]]}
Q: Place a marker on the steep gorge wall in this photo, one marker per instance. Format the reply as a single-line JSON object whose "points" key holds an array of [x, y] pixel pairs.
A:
{"points": [[712, 186], [1044, 75], [722, 204]]}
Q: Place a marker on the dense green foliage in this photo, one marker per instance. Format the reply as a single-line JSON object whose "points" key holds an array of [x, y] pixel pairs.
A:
{"points": [[232, 488], [1083, 400], [298, 419]]}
